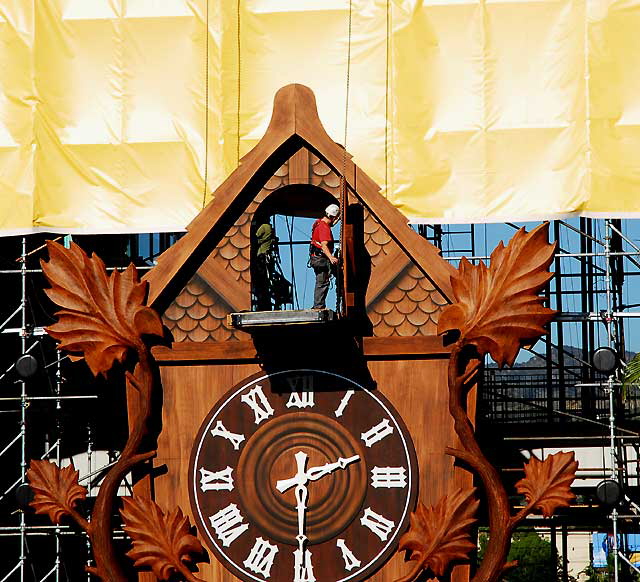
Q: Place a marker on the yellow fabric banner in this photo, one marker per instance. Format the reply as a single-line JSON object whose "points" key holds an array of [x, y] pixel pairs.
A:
{"points": [[463, 111]]}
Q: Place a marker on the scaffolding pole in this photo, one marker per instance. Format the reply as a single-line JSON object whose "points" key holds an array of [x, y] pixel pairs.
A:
{"points": [[23, 408]]}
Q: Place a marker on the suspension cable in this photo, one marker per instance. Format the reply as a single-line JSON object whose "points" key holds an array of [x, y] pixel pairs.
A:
{"points": [[206, 104], [343, 181]]}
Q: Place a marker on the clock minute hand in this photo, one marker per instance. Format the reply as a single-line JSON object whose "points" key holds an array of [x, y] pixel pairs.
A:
{"points": [[302, 494], [299, 480], [316, 473]]}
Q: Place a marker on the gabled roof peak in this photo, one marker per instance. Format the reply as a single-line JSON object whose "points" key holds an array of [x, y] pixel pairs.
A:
{"points": [[294, 124]]}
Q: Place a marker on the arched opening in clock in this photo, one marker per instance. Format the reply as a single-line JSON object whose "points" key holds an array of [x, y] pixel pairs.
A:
{"points": [[284, 283]]}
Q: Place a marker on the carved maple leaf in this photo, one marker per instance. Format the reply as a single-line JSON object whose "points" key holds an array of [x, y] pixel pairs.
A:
{"points": [[546, 485], [440, 534], [102, 317], [498, 307], [161, 542], [56, 491]]}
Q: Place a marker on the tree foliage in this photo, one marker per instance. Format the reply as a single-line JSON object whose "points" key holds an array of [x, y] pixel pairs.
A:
{"points": [[537, 558]]}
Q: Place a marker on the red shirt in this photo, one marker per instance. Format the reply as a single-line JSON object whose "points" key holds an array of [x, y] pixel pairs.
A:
{"points": [[321, 232]]}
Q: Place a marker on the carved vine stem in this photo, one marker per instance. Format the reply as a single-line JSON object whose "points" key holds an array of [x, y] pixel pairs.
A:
{"points": [[500, 523], [497, 309], [103, 320], [57, 490], [107, 564]]}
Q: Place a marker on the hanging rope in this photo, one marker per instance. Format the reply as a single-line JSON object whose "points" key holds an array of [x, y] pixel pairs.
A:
{"points": [[343, 180], [386, 102], [238, 88], [346, 108], [206, 103]]}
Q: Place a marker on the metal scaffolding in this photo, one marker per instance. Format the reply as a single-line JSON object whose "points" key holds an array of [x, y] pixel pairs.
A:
{"points": [[39, 553], [56, 417]]}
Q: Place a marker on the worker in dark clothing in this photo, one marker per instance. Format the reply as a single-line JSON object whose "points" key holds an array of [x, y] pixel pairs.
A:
{"points": [[271, 289], [264, 266], [321, 257]]}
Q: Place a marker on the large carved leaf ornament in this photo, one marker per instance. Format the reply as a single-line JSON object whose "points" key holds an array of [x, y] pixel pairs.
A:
{"points": [[547, 484], [161, 542], [498, 308], [440, 535], [56, 491], [102, 316]]}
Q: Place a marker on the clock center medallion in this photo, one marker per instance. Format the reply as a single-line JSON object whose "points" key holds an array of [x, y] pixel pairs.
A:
{"points": [[334, 498]]}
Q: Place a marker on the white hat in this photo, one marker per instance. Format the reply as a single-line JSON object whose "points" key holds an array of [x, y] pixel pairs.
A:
{"points": [[332, 210]]}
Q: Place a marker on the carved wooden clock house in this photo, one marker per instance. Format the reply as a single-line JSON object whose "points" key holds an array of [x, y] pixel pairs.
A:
{"points": [[302, 446], [301, 450]]}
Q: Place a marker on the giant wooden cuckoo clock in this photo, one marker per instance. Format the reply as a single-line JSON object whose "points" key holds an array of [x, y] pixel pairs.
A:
{"points": [[302, 450], [294, 475]]}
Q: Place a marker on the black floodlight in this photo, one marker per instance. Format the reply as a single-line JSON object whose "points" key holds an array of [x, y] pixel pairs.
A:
{"points": [[605, 360], [608, 492], [24, 496], [26, 366]]}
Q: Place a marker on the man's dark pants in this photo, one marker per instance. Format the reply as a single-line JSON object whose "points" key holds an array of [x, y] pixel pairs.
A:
{"points": [[322, 269]]}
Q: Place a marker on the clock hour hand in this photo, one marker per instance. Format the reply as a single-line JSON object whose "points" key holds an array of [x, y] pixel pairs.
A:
{"points": [[316, 473], [300, 478]]}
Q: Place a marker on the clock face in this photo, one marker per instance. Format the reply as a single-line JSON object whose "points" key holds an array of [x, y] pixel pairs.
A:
{"points": [[302, 475]]}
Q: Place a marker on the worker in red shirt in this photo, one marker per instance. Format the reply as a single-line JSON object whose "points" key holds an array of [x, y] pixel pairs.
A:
{"points": [[321, 257]]}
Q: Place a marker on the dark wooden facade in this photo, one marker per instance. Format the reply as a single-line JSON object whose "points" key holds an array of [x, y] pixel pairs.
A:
{"points": [[207, 275]]}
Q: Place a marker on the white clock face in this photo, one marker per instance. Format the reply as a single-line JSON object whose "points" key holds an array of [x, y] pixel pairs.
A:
{"points": [[302, 475]]}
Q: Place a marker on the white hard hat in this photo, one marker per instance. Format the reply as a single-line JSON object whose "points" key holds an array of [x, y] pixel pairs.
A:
{"points": [[332, 210]]}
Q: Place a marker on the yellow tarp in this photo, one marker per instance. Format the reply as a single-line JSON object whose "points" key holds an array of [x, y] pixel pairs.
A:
{"points": [[462, 111]]}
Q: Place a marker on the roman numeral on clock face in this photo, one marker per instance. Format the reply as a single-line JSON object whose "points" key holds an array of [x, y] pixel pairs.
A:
{"points": [[227, 524], [379, 525], [301, 391], [343, 403], [261, 557], [301, 383], [257, 401], [300, 400], [389, 477], [219, 430], [350, 561], [216, 480], [377, 433], [303, 568]]}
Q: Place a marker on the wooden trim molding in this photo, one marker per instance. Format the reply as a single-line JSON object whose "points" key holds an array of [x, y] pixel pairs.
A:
{"points": [[427, 346], [236, 296], [181, 352], [245, 351]]}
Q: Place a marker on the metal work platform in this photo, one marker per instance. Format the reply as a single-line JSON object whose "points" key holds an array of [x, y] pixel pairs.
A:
{"points": [[254, 319]]}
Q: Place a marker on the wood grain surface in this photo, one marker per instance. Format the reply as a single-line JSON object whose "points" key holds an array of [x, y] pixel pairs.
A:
{"points": [[416, 388]]}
